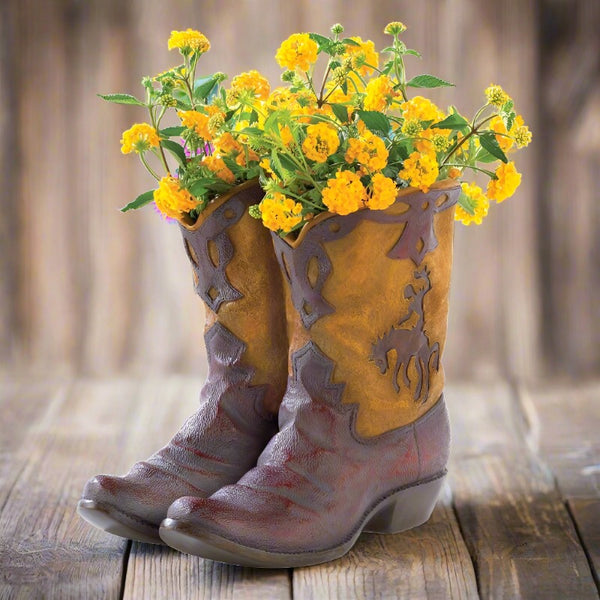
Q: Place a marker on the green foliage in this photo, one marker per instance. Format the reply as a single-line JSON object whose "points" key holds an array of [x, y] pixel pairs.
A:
{"points": [[488, 142], [428, 81], [454, 121], [140, 201], [377, 122], [176, 150], [121, 99], [172, 131]]}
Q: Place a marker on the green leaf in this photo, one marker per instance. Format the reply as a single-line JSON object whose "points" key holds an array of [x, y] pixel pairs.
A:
{"points": [[121, 99], [198, 188], [176, 150], [374, 120], [205, 87], [428, 81], [453, 121], [323, 42], [183, 105], [490, 143], [251, 131], [510, 119], [140, 201], [508, 106], [349, 42], [171, 131], [287, 163], [466, 203], [413, 53], [275, 165], [483, 156], [340, 111]]}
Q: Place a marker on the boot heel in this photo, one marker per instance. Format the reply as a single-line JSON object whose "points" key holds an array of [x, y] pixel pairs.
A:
{"points": [[406, 509]]}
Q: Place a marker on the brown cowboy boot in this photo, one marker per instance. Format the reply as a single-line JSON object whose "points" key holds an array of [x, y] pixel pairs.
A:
{"points": [[237, 276], [364, 434]]}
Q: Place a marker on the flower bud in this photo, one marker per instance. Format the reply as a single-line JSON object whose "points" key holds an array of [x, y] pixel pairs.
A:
{"points": [[394, 28]]}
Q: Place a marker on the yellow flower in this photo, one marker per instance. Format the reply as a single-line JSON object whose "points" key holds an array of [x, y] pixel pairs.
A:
{"points": [[139, 138], [252, 81], [282, 97], [394, 28], [364, 56], [171, 199], [227, 144], [189, 40], [454, 173], [297, 52], [345, 193], [205, 125], [521, 134], [496, 95], [420, 170], [380, 93], [286, 135], [321, 141], [265, 164], [368, 150], [478, 203], [217, 166], [504, 141], [420, 109], [280, 213], [384, 192], [508, 180]]}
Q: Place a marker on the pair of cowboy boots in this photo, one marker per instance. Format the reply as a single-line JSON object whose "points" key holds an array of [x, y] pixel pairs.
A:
{"points": [[343, 341]]}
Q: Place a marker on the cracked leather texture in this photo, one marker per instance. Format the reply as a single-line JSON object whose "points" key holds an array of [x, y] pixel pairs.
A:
{"points": [[347, 438], [316, 479], [247, 358]]}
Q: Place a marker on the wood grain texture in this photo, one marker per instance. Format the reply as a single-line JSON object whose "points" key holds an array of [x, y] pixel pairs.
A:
{"points": [[427, 563], [566, 436], [570, 216], [518, 531], [9, 263], [48, 551], [586, 514], [514, 521], [565, 420], [85, 288], [157, 572]]}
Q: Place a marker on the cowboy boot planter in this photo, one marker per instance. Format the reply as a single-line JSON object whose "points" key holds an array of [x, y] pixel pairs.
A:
{"points": [[237, 276], [364, 435]]}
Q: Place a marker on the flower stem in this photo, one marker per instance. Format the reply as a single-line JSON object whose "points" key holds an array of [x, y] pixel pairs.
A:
{"points": [[148, 167]]}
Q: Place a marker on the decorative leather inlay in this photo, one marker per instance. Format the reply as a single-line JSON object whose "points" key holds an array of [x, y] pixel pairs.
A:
{"points": [[417, 239], [227, 374], [212, 284], [312, 373], [410, 344]]}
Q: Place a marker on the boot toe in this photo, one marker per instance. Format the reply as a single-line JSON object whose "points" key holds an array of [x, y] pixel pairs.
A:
{"points": [[106, 505]]}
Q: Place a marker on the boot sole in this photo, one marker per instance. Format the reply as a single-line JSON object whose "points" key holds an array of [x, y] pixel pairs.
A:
{"points": [[109, 519], [398, 511]]}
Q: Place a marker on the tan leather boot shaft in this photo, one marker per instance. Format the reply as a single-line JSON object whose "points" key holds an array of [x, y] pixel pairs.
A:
{"points": [[371, 290], [242, 289]]}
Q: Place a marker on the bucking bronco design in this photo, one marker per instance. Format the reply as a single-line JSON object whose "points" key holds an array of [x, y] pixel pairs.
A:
{"points": [[410, 344]]}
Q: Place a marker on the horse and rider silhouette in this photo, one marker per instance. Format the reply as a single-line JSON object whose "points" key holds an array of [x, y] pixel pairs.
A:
{"points": [[410, 344]]}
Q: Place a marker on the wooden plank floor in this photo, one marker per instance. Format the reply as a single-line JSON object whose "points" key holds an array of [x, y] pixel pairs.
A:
{"points": [[520, 517]]}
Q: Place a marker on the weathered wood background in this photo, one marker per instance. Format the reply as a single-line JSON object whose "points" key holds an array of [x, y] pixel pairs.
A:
{"points": [[84, 288]]}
